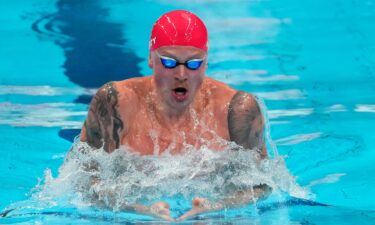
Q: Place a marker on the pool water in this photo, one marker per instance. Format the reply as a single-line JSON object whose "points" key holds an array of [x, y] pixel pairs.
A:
{"points": [[312, 63]]}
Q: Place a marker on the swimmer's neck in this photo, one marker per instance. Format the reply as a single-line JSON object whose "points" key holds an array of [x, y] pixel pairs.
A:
{"points": [[164, 114], [170, 117]]}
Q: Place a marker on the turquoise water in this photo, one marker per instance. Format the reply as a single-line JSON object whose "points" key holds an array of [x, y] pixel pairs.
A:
{"points": [[312, 63]]}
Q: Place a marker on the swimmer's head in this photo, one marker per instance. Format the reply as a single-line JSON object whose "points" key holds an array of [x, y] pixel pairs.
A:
{"points": [[179, 28]]}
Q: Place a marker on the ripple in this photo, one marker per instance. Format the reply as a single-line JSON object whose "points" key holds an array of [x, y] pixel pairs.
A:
{"points": [[322, 151], [281, 95], [43, 90], [274, 114], [364, 108], [250, 76], [49, 27], [45, 115], [298, 138], [246, 24], [336, 108]]}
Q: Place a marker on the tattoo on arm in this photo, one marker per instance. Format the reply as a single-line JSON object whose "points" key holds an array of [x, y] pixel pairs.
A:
{"points": [[103, 124], [245, 122]]}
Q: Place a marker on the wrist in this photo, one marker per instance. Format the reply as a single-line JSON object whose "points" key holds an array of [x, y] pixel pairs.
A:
{"points": [[136, 208]]}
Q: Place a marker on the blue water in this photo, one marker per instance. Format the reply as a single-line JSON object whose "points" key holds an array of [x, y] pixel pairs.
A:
{"points": [[312, 62]]}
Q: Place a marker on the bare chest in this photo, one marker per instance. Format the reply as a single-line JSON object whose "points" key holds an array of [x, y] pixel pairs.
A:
{"points": [[147, 136]]}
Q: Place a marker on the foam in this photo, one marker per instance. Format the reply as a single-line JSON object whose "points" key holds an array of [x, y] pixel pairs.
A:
{"points": [[95, 178]]}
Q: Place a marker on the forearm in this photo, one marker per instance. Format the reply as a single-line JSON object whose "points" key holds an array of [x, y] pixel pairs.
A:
{"points": [[108, 199], [239, 198], [243, 197], [138, 208], [236, 199]]}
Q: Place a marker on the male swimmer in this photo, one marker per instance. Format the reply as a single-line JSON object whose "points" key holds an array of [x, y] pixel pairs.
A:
{"points": [[181, 105]]}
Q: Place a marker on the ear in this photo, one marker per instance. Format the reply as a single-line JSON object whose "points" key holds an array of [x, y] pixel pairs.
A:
{"points": [[150, 61]]}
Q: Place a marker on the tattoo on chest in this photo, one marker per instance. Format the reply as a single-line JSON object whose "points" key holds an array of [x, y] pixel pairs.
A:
{"points": [[245, 121], [103, 124]]}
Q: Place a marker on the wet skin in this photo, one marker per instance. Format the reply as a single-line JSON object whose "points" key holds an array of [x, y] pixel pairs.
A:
{"points": [[171, 109]]}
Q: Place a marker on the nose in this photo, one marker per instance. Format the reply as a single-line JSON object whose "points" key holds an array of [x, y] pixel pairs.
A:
{"points": [[181, 73]]}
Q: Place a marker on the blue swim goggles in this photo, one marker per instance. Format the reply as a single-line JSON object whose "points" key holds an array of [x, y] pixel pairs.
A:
{"points": [[170, 63]]}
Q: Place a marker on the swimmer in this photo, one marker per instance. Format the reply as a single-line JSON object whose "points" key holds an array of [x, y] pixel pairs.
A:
{"points": [[176, 106]]}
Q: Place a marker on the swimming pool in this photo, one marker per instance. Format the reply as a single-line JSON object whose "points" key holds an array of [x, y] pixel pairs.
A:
{"points": [[313, 64]]}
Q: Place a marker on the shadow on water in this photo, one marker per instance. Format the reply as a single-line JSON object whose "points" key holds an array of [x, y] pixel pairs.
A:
{"points": [[95, 49]]}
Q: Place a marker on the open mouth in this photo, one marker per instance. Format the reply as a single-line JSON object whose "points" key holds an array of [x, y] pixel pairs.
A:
{"points": [[180, 93]]}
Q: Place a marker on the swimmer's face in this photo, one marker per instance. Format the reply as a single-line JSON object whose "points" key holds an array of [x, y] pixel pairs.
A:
{"points": [[179, 85]]}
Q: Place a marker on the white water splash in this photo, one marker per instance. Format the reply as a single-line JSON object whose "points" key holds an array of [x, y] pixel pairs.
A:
{"points": [[330, 178], [94, 177]]}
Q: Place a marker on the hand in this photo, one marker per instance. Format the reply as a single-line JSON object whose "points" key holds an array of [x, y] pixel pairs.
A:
{"points": [[238, 199], [200, 205], [158, 209], [161, 210]]}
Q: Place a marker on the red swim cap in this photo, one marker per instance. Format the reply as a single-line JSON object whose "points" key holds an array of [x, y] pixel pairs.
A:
{"points": [[179, 27]]}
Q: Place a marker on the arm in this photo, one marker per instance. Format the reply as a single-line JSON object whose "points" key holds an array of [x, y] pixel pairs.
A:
{"points": [[240, 198], [158, 209], [108, 199], [236, 200], [246, 123], [103, 126], [246, 128]]}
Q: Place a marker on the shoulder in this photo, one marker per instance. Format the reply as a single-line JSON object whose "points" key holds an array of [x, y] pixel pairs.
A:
{"points": [[218, 90], [110, 95], [116, 97], [125, 94], [243, 101], [130, 96], [106, 93], [103, 124], [236, 100], [122, 93], [243, 109], [217, 86], [133, 89], [110, 112]]}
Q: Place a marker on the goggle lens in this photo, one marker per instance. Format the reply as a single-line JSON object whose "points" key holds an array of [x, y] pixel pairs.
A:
{"points": [[171, 63], [194, 64], [168, 63]]}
